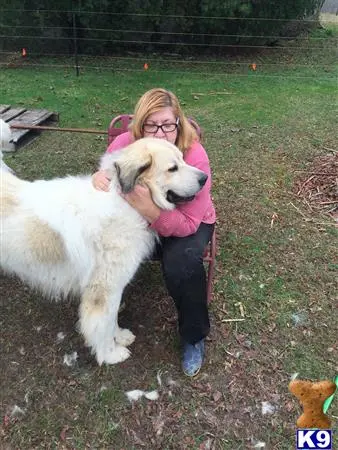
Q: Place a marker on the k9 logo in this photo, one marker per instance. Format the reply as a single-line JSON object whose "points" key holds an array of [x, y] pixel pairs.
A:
{"points": [[314, 439]]}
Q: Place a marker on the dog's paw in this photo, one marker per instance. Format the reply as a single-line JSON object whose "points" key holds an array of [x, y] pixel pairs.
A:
{"points": [[124, 337], [116, 354]]}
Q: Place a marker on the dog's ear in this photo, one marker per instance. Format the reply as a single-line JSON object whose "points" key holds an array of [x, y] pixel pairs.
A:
{"points": [[128, 173]]}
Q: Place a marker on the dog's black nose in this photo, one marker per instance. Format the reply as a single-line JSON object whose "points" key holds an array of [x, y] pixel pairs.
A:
{"points": [[202, 179]]}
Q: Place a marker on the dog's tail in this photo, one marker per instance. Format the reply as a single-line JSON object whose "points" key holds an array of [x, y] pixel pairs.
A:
{"points": [[5, 143], [6, 138], [3, 165]]}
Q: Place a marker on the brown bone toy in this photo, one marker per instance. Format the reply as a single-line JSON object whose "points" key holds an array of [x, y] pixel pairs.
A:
{"points": [[312, 396]]}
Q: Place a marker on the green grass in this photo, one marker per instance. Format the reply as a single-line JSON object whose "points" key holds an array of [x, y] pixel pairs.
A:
{"points": [[259, 129]]}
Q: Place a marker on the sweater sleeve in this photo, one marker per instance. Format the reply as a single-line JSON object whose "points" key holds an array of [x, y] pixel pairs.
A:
{"points": [[119, 142], [187, 217]]}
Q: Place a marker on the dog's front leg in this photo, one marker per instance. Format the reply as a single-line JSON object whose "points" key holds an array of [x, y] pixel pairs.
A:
{"points": [[98, 323]]}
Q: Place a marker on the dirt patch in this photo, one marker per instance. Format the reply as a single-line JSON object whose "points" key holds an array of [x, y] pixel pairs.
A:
{"points": [[318, 185]]}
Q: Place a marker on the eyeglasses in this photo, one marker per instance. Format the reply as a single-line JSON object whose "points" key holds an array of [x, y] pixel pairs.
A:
{"points": [[165, 127]]}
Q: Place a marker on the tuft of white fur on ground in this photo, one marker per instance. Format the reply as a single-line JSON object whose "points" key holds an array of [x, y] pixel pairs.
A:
{"points": [[60, 336], [158, 376], [137, 394], [134, 395], [152, 395], [70, 359], [258, 444], [17, 411], [26, 398], [267, 408]]}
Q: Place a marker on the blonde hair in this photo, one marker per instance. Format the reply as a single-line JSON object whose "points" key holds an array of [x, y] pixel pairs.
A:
{"points": [[153, 101]]}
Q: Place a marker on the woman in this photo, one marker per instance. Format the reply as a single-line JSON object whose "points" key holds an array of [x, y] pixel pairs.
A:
{"points": [[186, 230]]}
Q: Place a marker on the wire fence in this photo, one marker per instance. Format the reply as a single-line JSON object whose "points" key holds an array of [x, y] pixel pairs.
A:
{"points": [[147, 15], [172, 33], [216, 74], [32, 41], [190, 44]]}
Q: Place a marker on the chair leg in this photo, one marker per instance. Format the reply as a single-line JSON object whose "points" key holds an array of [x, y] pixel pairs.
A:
{"points": [[211, 266], [210, 278]]}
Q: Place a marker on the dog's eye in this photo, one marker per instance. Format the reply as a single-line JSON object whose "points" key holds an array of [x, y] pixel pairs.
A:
{"points": [[173, 169]]}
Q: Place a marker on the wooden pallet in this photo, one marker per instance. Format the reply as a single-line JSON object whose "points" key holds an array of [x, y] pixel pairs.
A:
{"points": [[19, 116]]}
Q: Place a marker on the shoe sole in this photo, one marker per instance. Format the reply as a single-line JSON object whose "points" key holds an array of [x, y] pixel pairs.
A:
{"points": [[192, 376]]}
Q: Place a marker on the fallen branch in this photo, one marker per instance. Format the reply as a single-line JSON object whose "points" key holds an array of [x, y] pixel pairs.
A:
{"points": [[306, 182], [300, 212], [330, 149], [232, 320], [318, 173], [48, 128], [328, 203], [212, 93]]}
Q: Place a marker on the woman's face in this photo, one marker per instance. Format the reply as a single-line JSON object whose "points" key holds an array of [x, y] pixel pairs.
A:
{"points": [[168, 121]]}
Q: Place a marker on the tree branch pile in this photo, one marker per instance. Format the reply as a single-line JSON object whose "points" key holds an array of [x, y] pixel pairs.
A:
{"points": [[318, 186]]}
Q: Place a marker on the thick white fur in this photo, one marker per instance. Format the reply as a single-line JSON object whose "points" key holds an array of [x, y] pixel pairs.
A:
{"points": [[63, 236], [5, 142]]}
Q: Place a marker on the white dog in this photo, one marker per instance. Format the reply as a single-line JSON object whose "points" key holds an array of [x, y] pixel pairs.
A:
{"points": [[5, 142], [63, 236]]}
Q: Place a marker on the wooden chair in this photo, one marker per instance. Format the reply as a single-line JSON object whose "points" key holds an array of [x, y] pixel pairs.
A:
{"points": [[119, 125]]}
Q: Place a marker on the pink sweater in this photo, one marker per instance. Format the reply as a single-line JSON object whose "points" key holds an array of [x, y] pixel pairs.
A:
{"points": [[186, 217]]}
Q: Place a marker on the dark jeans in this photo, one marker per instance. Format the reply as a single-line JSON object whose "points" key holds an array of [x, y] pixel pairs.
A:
{"points": [[185, 278]]}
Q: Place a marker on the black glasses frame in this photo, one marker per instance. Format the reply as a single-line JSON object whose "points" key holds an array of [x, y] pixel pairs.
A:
{"points": [[175, 125]]}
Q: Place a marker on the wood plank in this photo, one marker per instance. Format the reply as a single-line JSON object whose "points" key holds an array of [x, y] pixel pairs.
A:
{"points": [[54, 117], [4, 108], [22, 116], [30, 117], [11, 113], [33, 116]]}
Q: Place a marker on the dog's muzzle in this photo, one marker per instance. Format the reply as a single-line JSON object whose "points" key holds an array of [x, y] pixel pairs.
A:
{"points": [[175, 198], [172, 197]]}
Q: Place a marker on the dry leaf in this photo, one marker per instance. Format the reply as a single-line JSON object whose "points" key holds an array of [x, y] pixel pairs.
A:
{"points": [[63, 432], [217, 396]]}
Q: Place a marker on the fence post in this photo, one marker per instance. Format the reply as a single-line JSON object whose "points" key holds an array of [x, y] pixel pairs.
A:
{"points": [[75, 43]]}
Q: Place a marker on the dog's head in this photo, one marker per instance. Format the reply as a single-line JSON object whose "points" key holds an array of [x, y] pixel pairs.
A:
{"points": [[159, 165]]}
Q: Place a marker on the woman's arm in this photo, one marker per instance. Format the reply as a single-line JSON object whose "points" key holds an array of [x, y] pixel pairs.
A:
{"points": [[99, 179], [141, 200]]}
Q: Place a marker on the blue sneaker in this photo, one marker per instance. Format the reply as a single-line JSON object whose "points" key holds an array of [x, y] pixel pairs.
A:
{"points": [[192, 358]]}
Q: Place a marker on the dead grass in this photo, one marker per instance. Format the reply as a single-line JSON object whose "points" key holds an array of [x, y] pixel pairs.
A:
{"points": [[318, 185], [328, 20]]}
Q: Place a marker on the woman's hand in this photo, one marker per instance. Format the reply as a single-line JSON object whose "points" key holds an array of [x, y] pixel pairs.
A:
{"points": [[140, 199], [100, 180]]}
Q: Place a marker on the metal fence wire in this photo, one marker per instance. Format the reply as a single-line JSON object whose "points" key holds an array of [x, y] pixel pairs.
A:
{"points": [[120, 41]]}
